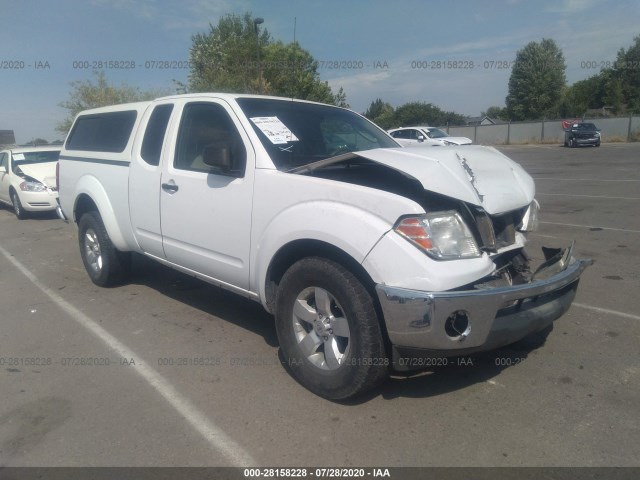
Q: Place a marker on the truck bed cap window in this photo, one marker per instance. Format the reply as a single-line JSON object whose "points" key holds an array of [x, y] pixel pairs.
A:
{"points": [[102, 132]]}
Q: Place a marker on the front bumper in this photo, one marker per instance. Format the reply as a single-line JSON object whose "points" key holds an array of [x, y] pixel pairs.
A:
{"points": [[460, 322], [587, 141], [38, 201]]}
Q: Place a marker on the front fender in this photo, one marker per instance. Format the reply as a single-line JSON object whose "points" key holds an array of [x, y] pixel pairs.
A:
{"points": [[348, 228]]}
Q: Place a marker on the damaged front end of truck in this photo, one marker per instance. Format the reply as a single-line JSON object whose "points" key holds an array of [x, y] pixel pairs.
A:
{"points": [[479, 206]]}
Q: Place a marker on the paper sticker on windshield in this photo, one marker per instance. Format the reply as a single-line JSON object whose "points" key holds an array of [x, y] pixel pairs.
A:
{"points": [[18, 156], [276, 131]]}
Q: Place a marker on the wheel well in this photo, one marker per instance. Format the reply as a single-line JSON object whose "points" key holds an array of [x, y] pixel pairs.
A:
{"points": [[84, 204], [299, 249]]}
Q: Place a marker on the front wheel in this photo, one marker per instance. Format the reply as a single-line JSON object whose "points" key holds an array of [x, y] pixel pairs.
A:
{"points": [[17, 206], [329, 331], [105, 265]]}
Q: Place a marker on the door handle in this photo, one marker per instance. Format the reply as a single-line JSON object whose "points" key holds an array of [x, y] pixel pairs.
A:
{"points": [[170, 187]]}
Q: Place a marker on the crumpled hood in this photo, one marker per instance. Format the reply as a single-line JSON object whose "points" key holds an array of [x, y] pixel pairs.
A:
{"points": [[475, 174], [43, 172]]}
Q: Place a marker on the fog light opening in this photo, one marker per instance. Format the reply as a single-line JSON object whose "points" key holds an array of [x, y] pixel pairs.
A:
{"points": [[458, 326]]}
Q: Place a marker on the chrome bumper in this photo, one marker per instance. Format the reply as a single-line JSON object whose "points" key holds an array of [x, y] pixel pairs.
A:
{"points": [[458, 322]]}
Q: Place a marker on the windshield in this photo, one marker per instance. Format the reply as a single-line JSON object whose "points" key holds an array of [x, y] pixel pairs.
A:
{"points": [[27, 158], [586, 126], [436, 133], [297, 133]]}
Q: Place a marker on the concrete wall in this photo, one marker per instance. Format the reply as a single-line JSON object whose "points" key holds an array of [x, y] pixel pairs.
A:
{"points": [[617, 129], [635, 129], [492, 134]]}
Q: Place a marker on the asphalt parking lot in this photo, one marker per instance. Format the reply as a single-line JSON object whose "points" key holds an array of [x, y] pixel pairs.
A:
{"points": [[169, 371]]}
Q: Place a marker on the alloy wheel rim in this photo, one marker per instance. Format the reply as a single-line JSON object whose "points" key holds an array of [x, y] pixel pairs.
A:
{"points": [[92, 251], [321, 328]]}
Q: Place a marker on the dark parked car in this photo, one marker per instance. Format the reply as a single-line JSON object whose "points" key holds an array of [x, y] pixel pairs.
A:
{"points": [[582, 134]]}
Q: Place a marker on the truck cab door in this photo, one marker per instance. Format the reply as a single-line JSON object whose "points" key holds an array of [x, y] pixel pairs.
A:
{"points": [[206, 194], [144, 178]]}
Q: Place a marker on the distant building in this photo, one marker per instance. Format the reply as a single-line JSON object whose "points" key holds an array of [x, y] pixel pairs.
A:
{"points": [[472, 121], [7, 137]]}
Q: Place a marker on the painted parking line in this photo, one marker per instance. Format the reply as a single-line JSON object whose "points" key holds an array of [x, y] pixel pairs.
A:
{"points": [[606, 310], [213, 434], [592, 226], [587, 196]]}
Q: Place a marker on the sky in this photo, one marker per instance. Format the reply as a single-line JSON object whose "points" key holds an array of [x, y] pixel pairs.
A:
{"points": [[454, 54]]}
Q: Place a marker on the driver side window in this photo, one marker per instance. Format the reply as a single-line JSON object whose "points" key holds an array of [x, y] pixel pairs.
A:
{"points": [[3, 161], [208, 134]]}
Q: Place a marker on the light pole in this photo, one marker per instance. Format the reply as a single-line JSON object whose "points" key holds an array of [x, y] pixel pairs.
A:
{"points": [[256, 22]]}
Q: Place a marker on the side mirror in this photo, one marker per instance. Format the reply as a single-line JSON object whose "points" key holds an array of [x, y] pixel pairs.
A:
{"points": [[3, 169], [421, 138], [218, 156]]}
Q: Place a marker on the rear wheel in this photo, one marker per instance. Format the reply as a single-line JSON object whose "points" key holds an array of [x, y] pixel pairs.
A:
{"points": [[21, 214], [105, 265], [329, 331]]}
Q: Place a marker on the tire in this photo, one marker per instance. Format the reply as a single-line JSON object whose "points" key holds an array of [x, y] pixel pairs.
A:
{"points": [[329, 331], [598, 144], [572, 143], [20, 212], [105, 265]]}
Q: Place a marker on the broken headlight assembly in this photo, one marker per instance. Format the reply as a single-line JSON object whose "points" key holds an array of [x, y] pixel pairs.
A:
{"points": [[441, 235], [530, 219]]}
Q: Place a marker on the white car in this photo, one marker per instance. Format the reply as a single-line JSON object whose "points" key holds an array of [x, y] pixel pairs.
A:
{"points": [[423, 136], [28, 179]]}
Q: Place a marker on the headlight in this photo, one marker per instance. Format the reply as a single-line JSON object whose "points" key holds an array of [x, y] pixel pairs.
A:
{"points": [[29, 186], [441, 235], [530, 219]]}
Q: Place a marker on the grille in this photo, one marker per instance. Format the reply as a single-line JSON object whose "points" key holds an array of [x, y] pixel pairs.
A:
{"points": [[497, 231]]}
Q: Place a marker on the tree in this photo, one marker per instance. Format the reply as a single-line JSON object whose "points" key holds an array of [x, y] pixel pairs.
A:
{"points": [[291, 71], [86, 94], [421, 113], [226, 60], [626, 72], [537, 81], [39, 141], [615, 94], [381, 113]]}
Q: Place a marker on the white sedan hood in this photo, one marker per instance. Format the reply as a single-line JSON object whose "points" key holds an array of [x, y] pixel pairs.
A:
{"points": [[475, 174], [43, 172]]}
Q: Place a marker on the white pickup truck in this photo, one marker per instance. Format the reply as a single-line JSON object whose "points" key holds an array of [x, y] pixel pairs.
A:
{"points": [[371, 257]]}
